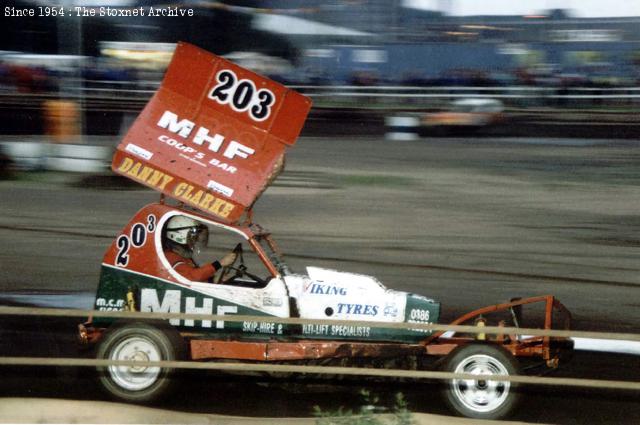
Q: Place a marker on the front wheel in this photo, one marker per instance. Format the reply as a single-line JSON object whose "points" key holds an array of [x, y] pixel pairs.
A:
{"points": [[142, 342], [482, 398]]}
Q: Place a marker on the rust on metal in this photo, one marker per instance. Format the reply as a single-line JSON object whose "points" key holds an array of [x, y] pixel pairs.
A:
{"points": [[213, 349], [540, 346], [88, 335], [302, 350]]}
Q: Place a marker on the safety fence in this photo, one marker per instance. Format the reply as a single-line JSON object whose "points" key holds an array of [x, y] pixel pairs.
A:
{"points": [[329, 370], [438, 97], [132, 95]]}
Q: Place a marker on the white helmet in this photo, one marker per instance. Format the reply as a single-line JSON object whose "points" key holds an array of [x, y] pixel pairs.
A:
{"points": [[187, 231]]}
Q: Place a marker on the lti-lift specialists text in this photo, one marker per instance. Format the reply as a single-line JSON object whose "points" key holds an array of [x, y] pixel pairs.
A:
{"points": [[103, 11]]}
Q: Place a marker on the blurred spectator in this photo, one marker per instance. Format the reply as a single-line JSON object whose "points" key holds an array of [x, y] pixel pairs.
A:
{"points": [[6, 165], [364, 78], [28, 79]]}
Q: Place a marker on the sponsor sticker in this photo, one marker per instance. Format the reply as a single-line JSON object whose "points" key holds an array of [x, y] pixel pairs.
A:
{"points": [[271, 301], [220, 188], [390, 310], [103, 304], [138, 151]]}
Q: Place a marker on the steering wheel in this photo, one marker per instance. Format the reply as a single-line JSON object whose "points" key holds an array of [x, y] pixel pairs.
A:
{"points": [[225, 272]]}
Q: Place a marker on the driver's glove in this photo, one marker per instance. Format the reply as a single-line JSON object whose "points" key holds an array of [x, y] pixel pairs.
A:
{"points": [[228, 259]]}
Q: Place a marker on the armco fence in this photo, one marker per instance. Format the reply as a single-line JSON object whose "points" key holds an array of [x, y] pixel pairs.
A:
{"points": [[436, 97], [273, 368], [125, 96], [108, 107]]}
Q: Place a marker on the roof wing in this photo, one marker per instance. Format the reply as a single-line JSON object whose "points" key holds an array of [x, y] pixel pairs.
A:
{"points": [[213, 136]]}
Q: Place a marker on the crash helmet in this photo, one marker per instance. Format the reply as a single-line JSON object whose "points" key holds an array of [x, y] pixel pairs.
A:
{"points": [[188, 233]]}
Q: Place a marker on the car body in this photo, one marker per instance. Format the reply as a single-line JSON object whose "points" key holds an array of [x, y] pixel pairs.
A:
{"points": [[137, 277], [466, 114], [143, 269]]}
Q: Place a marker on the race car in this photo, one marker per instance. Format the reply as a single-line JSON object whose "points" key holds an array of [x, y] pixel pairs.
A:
{"points": [[472, 114], [211, 141], [136, 276]]}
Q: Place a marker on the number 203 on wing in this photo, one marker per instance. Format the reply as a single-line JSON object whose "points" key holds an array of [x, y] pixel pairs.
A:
{"points": [[242, 95]]}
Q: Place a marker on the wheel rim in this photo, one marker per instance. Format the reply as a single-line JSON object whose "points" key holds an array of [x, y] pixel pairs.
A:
{"points": [[135, 378], [481, 395]]}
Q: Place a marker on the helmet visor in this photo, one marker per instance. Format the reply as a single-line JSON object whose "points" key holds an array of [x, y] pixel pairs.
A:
{"points": [[198, 238]]}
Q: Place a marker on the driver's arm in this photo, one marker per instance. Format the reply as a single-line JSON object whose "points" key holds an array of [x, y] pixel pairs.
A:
{"points": [[206, 272], [197, 274]]}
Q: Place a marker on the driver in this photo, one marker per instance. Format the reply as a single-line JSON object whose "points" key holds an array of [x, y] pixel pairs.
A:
{"points": [[183, 238]]}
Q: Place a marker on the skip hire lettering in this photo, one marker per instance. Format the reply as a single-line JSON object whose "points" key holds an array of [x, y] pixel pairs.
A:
{"points": [[260, 327]]}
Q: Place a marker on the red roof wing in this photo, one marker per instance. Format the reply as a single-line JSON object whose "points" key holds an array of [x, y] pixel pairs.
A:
{"points": [[213, 136]]}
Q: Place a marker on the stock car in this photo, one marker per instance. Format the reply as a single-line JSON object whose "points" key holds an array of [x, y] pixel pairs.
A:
{"points": [[136, 276], [465, 115], [213, 138]]}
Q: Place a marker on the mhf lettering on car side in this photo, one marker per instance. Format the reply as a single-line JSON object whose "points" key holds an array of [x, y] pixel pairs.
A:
{"points": [[173, 302]]}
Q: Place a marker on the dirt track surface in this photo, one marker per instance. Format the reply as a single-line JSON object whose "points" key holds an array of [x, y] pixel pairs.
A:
{"points": [[16, 411]]}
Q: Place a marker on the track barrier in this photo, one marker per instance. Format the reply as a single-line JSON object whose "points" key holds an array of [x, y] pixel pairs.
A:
{"points": [[59, 157], [79, 158], [27, 155], [102, 96], [275, 368], [402, 127]]}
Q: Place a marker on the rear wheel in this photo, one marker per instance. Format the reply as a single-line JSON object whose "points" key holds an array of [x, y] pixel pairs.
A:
{"points": [[482, 398], [138, 342]]}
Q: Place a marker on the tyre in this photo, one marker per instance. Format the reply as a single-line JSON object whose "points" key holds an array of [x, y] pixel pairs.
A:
{"points": [[481, 399], [143, 342]]}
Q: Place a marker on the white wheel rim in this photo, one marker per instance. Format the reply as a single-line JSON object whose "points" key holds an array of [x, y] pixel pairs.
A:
{"points": [[481, 395], [135, 378]]}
